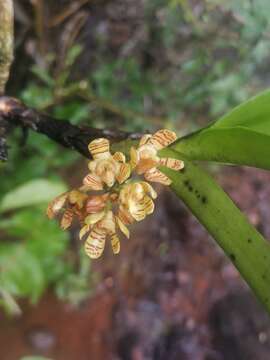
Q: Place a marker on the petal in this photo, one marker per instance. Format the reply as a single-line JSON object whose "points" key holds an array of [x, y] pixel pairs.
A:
{"points": [[173, 164], [66, 219], [162, 138], [115, 244], [140, 209], [125, 216], [155, 175], [77, 197], [134, 157], [109, 178], [96, 203], [108, 223], [84, 230], [95, 243], [99, 148], [145, 138], [56, 205], [92, 166], [149, 189], [93, 182], [122, 227], [124, 173], [145, 165], [119, 156], [94, 218]]}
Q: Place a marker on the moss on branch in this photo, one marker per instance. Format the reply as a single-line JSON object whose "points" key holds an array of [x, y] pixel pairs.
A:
{"points": [[6, 41]]}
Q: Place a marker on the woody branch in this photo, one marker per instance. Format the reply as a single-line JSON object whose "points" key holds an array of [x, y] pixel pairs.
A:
{"points": [[15, 114]]}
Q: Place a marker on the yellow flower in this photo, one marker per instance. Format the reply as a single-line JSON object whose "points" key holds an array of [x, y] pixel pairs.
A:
{"points": [[100, 226], [105, 168], [145, 159], [73, 202], [136, 201]]}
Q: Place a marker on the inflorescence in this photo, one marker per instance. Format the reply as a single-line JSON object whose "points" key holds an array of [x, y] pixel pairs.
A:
{"points": [[111, 196]]}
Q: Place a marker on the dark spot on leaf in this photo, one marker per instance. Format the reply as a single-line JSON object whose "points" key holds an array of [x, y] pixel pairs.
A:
{"points": [[204, 200], [232, 257], [249, 240]]}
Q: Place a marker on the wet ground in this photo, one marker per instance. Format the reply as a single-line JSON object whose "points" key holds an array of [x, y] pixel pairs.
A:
{"points": [[171, 294]]}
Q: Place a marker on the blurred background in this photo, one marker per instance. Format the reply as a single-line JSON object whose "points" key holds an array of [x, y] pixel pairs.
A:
{"points": [[136, 65]]}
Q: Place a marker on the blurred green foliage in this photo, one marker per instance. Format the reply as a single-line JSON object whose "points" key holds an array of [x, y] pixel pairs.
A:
{"points": [[196, 63]]}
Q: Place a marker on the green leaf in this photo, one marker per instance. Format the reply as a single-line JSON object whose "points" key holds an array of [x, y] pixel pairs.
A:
{"points": [[21, 273], [241, 137], [243, 244], [31, 193]]}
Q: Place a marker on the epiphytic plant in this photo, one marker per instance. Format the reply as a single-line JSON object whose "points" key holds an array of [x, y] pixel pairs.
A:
{"points": [[243, 138]]}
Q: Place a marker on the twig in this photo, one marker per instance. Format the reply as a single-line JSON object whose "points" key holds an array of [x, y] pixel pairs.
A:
{"points": [[6, 41], [74, 7], [13, 114]]}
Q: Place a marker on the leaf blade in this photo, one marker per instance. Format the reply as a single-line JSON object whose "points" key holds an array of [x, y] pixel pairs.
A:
{"points": [[33, 192], [239, 145], [240, 137]]}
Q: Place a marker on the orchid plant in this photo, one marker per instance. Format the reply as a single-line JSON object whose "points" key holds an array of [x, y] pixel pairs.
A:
{"points": [[113, 195]]}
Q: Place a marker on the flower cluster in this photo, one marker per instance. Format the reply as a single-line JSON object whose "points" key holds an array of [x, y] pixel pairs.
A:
{"points": [[110, 199]]}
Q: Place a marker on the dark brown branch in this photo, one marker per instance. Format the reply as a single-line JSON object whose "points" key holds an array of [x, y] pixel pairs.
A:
{"points": [[14, 114]]}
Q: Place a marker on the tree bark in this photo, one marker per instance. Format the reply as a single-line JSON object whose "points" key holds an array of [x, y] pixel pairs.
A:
{"points": [[13, 114], [6, 41]]}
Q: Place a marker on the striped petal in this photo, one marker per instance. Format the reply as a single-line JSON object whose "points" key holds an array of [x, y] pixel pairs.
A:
{"points": [[84, 230], [96, 203], [122, 227], [148, 189], [154, 175], [134, 157], [140, 209], [145, 138], [115, 244], [93, 182], [124, 173], [99, 148], [66, 219], [125, 216], [173, 164], [162, 138], [119, 156], [95, 243], [56, 205], [94, 218]]}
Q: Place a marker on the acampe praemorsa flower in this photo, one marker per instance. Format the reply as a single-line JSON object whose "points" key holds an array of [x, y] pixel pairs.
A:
{"points": [[111, 198]]}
